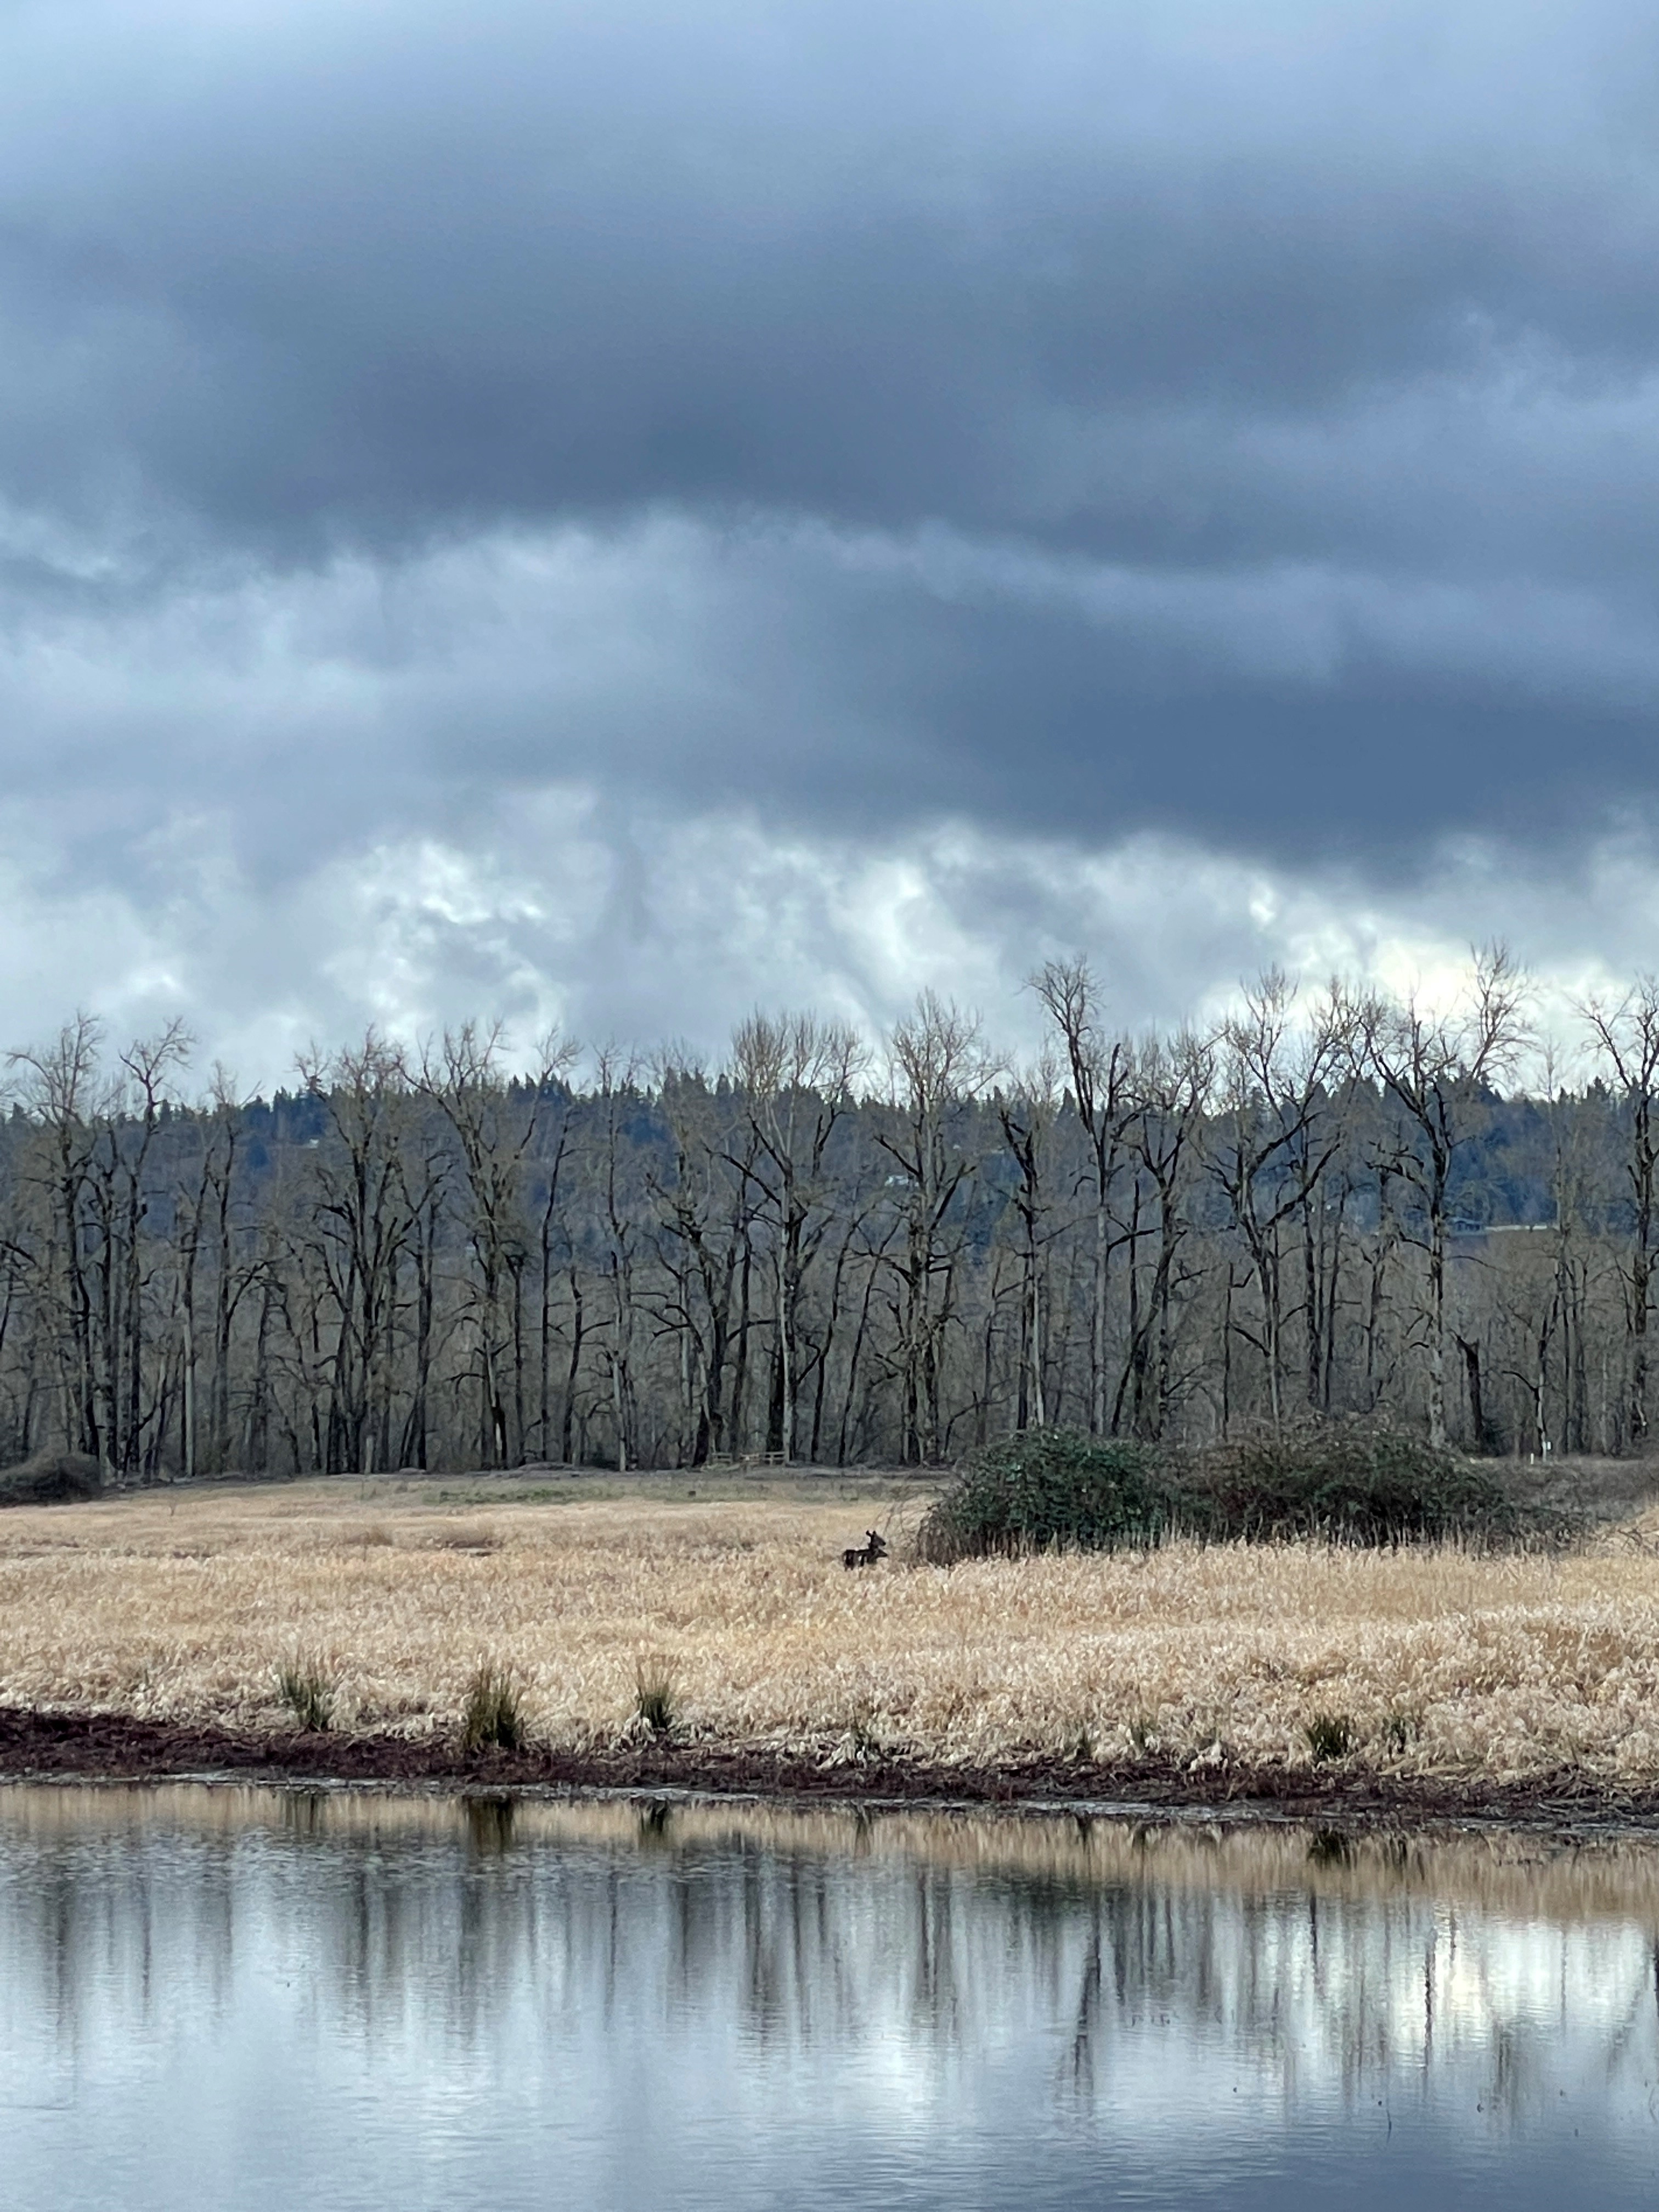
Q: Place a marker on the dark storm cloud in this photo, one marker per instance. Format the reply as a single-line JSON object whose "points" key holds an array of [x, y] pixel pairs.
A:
{"points": [[1283, 382], [374, 267]]}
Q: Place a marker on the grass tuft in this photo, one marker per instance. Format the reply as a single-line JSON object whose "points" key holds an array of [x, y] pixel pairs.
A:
{"points": [[307, 1688], [493, 1717], [862, 1740], [1330, 1736], [1401, 1730], [654, 1693]]}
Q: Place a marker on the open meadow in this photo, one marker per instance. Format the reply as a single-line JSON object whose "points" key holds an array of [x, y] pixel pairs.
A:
{"points": [[186, 1605]]}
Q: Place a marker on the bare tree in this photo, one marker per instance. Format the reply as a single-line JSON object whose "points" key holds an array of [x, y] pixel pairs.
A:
{"points": [[206, 1214], [795, 1073], [620, 1228], [937, 1063], [708, 1209], [1171, 1083], [1026, 1112], [64, 1093], [150, 1064], [493, 1121], [1433, 1066], [1099, 1067], [1276, 1133], [1627, 1038], [356, 1231]]}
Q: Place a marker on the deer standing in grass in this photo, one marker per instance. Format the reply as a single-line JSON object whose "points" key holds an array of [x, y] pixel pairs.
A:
{"points": [[865, 1554]]}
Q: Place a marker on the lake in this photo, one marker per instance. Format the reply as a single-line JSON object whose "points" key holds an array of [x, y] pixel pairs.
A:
{"points": [[251, 1998]]}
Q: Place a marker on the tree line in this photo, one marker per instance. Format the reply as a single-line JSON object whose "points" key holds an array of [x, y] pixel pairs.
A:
{"points": [[831, 1250]]}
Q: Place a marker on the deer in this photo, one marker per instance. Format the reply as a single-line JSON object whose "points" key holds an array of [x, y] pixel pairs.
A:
{"points": [[867, 1554]]}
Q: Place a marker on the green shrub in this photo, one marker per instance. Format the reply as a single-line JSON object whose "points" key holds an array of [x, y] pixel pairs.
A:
{"points": [[493, 1718], [1048, 1488]]}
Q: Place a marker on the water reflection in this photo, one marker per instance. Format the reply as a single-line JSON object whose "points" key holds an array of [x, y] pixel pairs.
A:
{"points": [[384, 2000]]}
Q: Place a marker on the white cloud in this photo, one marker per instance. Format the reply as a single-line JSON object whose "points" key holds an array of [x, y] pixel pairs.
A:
{"points": [[404, 793], [644, 929]]}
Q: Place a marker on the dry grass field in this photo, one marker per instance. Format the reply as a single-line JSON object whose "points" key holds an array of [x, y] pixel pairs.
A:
{"points": [[184, 1605]]}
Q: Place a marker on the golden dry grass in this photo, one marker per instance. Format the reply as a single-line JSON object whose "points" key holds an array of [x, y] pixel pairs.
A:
{"points": [[1448, 1662]]}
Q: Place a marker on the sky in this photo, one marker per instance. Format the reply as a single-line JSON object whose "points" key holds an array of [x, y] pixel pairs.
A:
{"points": [[611, 516]]}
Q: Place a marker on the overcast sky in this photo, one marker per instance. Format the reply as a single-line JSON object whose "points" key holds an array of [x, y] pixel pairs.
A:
{"points": [[615, 513]]}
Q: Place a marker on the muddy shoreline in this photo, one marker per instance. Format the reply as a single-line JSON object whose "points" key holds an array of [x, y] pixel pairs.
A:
{"points": [[75, 1746]]}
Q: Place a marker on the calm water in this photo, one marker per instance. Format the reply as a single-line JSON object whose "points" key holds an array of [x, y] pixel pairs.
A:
{"points": [[243, 1999]]}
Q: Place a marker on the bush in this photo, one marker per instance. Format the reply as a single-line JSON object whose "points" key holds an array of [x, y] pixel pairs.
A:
{"points": [[1351, 1482], [1347, 1481], [51, 1478], [493, 1719], [1048, 1488]]}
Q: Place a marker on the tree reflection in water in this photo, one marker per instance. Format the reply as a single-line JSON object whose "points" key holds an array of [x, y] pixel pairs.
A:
{"points": [[889, 1972]]}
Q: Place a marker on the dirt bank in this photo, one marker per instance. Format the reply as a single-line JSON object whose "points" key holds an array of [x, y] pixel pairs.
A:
{"points": [[114, 1747]]}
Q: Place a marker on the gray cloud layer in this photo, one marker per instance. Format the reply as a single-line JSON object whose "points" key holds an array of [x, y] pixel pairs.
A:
{"points": [[1083, 423]]}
